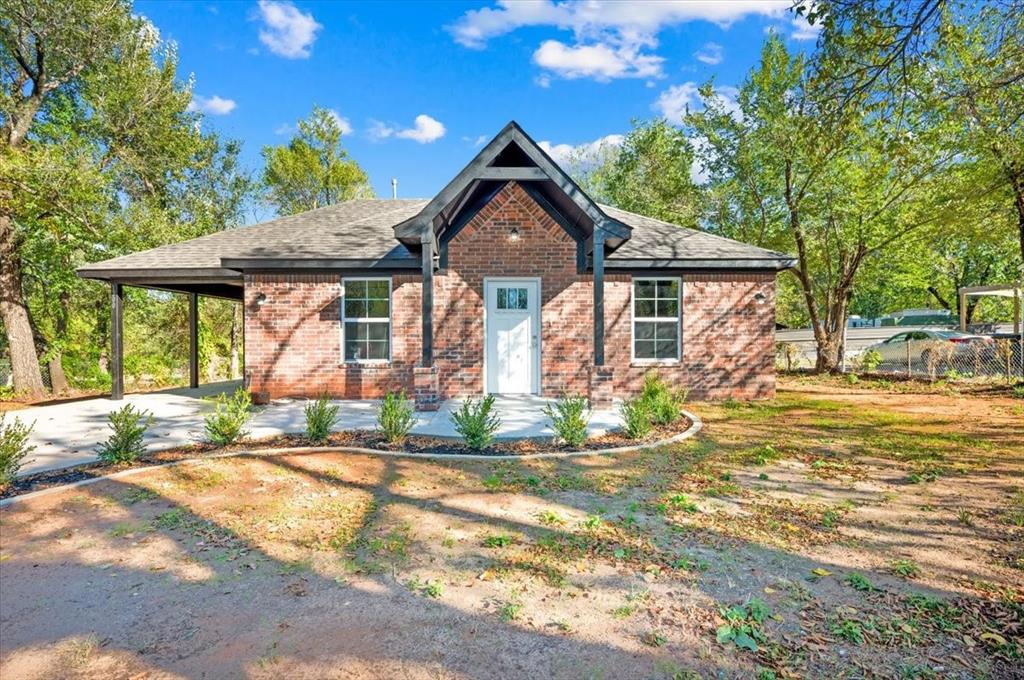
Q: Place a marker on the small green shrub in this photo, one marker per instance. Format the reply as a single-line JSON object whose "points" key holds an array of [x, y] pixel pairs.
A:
{"points": [[497, 541], [475, 422], [227, 422], [905, 568], [664, 404], [743, 625], [569, 418], [848, 630], [636, 418], [859, 582], [14, 447], [869, 360], [395, 417], [125, 444], [321, 416]]}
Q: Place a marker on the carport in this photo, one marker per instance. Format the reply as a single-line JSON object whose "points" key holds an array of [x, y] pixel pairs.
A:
{"points": [[194, 282], [1008, 291]]}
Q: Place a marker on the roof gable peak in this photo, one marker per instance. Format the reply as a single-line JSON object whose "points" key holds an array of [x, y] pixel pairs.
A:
{"points": [[511, 155]]}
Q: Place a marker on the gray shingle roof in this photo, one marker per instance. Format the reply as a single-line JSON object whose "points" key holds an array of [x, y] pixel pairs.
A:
{"points": [[362, 229], [357, 229], [657, 240]]}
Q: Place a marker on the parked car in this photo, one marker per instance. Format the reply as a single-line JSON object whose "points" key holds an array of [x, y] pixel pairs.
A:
{"points": [[895, 349]]}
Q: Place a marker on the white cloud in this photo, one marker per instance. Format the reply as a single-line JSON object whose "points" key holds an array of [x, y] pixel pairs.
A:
{"points": [[711, 53], [612, 39], [214, 106], [285, 129], [287, 31], [480, 141], [803, 30], [380, 130], [343, 124], [543, 80], [599, 61], [424, 131], [587, 18], [674, 102], [583, 155]]}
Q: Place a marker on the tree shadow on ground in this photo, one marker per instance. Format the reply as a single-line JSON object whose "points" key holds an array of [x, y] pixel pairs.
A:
{"points": [[204, 590]]}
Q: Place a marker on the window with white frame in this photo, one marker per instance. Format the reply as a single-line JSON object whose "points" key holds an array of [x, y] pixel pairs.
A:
{"points": [[366, 319], [656, 305]]}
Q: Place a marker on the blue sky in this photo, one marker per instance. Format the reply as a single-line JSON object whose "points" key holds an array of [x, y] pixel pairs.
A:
{"points": [[421, 85]]}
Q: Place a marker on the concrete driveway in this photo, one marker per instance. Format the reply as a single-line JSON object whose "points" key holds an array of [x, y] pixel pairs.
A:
{"points": [[68, 434]]}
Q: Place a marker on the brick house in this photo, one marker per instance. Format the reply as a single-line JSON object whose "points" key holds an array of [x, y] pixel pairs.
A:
{"points": [[510, 280]]}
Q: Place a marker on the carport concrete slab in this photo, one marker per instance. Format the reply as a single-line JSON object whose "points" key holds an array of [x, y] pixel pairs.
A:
{"points": [[68, 434]]}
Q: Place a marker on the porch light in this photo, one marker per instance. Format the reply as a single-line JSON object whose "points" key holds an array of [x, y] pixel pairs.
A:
{"points": [[261, 299], [759, 298], [514, 234]]}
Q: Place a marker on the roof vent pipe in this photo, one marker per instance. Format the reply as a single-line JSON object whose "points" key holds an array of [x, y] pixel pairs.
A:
{"points": [[394, 187]]}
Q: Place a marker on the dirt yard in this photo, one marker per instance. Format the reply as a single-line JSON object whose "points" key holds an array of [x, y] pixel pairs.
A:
{"points": [[833, 532]]}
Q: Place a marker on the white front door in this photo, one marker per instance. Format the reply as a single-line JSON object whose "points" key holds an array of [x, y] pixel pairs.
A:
{"points": [[513, 336]]}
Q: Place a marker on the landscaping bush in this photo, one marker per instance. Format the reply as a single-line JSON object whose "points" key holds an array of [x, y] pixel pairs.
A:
{"points": [[664, 404], [569, 417], [227, 422], [475, 422], [868, 360], [636, 418], [321, 416], [125, 444], [395, 417], [14, 447]]}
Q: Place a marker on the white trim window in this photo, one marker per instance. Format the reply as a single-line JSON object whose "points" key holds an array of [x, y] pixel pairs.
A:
{"points": [[366, 320], [656, 327]]}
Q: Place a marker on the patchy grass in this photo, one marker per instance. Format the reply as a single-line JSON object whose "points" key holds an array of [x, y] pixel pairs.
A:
{"points": [[833, 517]]}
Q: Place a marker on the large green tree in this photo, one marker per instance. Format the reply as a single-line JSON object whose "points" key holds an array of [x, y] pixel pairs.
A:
{"points": [[46, 47], [99, 156], [965, 58], [313, 169], [835, 195], [649, 173]]}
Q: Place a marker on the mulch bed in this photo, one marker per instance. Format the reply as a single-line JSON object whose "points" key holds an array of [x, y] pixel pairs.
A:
{"points": [[364, 439]]}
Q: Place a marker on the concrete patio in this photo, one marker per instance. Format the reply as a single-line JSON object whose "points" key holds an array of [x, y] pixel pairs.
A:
{"points": [[67, 434]]}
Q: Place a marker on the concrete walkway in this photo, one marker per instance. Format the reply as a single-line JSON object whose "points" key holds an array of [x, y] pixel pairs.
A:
{"points": [[67, 434]]}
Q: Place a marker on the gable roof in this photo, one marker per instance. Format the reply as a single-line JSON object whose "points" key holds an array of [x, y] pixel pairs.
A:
{"points": [[387, 234], [359, 234], [511, 155]]}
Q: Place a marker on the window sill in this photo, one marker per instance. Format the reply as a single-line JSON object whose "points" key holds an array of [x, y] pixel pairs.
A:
{"points": [[647, 363], [366, 364]]}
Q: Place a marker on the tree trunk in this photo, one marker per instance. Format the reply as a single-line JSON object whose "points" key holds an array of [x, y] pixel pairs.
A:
{"points": [[830, 351], [1019, 203], [28, 378], [58, 380]]}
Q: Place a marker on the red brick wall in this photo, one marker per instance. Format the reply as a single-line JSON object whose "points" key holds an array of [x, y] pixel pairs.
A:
{"points": [[728, 342], [293, 340], [483, 249]]}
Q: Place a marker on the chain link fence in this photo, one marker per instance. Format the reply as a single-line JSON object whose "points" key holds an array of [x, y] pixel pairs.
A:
{"points": [[7, 375], [992, 358]]}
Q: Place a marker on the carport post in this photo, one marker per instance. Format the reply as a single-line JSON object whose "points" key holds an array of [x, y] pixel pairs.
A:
{"points": [[193, 340], [598, 260], [116, 341], [963, 311]]}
